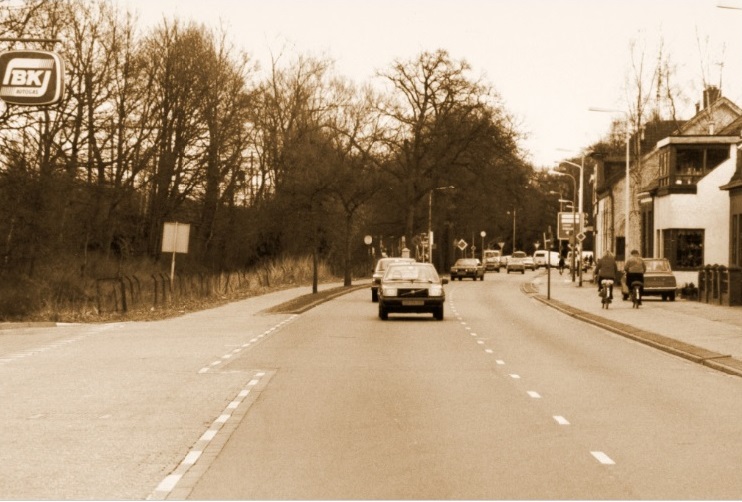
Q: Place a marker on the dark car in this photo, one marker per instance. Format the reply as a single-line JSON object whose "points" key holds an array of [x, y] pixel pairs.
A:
{"points": [[381, 266], [411, 288], [467, 267], [658, 280]]}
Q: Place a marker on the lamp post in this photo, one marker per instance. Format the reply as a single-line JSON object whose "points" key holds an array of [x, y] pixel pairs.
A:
{"points": [[513, 213], [483, 234], [579, 204], [627, 196], [572, 238], [430, 220]]}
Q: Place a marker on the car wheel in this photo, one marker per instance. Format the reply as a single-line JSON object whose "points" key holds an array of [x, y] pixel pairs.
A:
{"points": [[523, 271], [481, 278], [383, 314], [438, 313], [672, 296]]}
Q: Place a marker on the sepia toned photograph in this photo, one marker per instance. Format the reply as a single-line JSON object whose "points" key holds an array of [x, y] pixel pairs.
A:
{"points": [[371, 250]]}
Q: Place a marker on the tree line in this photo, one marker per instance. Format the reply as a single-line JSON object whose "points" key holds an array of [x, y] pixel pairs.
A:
{"points": [[176, 123]]}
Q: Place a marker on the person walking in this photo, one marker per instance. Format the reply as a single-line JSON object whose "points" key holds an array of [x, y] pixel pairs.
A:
{"points": [[635, 269], [606, 268]]}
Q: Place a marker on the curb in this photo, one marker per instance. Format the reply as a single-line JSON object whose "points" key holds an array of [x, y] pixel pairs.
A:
{"points": [[303, 303], [714, 360], [18, 325]]}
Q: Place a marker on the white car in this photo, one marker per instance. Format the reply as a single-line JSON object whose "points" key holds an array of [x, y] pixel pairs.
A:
{"points": [[516, 263]]}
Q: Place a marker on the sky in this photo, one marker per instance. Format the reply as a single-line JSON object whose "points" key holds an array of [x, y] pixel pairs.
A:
{"points": [[551, 61]]}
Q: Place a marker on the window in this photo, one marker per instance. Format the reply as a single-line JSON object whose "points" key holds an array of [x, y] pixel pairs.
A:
{"points": [[620, 248], [684, 248]]}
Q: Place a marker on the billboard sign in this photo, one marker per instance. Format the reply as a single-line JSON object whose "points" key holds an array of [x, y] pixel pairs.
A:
{"points": [[31, 78]]}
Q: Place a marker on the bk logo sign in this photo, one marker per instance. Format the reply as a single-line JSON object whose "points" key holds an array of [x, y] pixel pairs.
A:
{"points": [[31, 77]]}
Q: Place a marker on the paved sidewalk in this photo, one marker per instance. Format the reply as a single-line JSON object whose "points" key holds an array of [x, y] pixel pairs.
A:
{"points": [[707, 334]]}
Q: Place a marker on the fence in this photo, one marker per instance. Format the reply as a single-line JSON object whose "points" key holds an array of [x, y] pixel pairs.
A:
{"points": [[125, 293], [720, 285]]}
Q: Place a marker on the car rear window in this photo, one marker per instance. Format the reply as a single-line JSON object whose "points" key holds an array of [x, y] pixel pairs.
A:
{"points": [[519, 254], [411, 273]]}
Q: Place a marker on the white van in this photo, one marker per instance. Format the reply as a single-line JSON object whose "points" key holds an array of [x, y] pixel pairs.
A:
{"points": [[492, 259], [540, 257]]}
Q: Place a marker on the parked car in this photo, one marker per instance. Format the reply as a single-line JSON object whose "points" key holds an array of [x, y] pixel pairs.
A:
{"points": [[529, 263], [516, 262], [411, 288], [381, 267], [467, 267], [492, 260], [541, 255], [658, 280]]}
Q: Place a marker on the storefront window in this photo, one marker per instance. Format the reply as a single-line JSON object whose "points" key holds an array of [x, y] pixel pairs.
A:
{"points": [[684, 248]]}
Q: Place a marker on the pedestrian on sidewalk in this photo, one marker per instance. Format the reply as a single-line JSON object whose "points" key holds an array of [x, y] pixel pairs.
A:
{"points": [[606, 268]]}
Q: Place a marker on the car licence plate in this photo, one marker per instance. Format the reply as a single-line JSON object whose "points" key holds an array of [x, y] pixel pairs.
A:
{"points": [[413, 303]]}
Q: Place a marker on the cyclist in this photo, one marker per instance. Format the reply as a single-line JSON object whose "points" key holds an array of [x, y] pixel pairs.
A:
{"points": [[606, 268], [635, 268]]}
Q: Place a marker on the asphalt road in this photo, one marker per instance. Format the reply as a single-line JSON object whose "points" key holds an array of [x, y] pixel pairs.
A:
{"points": [[504, 399]]}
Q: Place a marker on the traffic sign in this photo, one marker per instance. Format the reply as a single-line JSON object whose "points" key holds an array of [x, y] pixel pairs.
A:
{"points": [[581, 236], [462, 244], [31, 78]]}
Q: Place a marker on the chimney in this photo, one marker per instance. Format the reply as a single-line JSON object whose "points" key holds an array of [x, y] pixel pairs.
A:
{"points": [[710, 95]]}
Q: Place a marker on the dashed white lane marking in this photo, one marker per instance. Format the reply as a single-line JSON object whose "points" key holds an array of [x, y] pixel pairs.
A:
{"points": [[168, 484], [8, 358], [602, 458], [514, 376], [500, 362], [561, 420], [245, 345], [488, 351], [534, 394]]}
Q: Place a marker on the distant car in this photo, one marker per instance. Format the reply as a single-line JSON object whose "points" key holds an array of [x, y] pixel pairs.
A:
{"points": [[516, 262], [381, 267], [467, 267], [529, 263], [658, 280], [504, 260], [492, 260], [411, 288]]}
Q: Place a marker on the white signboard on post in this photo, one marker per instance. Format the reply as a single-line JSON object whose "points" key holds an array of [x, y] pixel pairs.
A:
{"points": [[175, 237], [175, 240]]}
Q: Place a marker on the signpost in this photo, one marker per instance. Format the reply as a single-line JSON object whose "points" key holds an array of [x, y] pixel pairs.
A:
{"points": [[175, 240], [31, 78]]}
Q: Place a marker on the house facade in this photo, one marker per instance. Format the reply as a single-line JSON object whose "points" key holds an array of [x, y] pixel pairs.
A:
{"points": [[685, 194]]}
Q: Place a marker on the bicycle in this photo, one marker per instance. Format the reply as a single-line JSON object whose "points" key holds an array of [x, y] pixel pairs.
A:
{"points": [[636, 294], [606, 292]]}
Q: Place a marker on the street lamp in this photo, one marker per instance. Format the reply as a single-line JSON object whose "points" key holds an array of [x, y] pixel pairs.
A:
{"points": [[430, 220], [580, 204], [483, 234], [627, 196], [572, 239], [514, 213]]}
